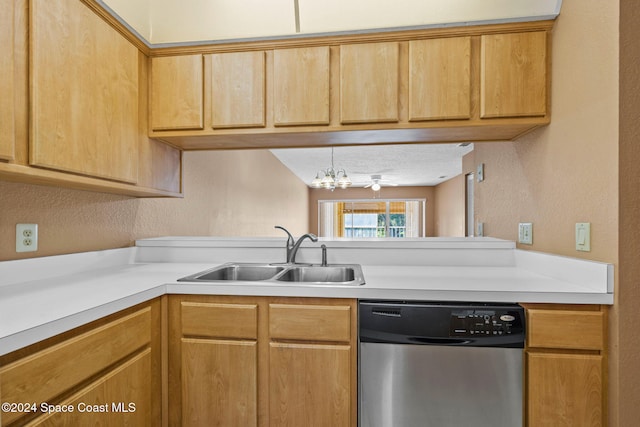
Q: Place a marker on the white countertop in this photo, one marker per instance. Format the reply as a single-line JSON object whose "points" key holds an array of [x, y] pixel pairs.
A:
{"points": [[42, 297]]}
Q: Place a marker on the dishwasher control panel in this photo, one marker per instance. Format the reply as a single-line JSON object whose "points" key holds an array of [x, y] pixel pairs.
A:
{"points": [[489, 321], [476, 324]]}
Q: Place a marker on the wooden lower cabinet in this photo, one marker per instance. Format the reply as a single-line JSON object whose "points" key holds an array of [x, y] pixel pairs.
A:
{"points": [[565, 377], [219, 382], [309, 385], [277, 362], [105, 373], [266, 361], [565, 389]]}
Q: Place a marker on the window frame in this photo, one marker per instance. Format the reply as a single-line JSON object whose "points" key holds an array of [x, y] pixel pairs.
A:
{"points": [[423, 210]]}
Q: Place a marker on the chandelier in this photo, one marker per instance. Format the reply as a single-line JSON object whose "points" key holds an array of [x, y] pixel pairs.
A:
{"points": [[331, 178]]}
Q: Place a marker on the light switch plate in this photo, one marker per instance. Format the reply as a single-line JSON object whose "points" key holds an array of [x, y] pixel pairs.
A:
{"points": [[583, 236], [480, 172], [525, 233]]}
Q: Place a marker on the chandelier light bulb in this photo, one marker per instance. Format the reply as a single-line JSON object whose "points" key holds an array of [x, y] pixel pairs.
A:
{"points": [[317, 181], [344, 181]]}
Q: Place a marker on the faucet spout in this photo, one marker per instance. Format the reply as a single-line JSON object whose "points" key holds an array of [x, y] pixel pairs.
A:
{"points": [[293, 246], [294, 251]]}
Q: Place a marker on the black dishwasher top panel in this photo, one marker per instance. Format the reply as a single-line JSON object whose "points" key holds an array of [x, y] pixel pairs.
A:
{"points": [[442, 323]]}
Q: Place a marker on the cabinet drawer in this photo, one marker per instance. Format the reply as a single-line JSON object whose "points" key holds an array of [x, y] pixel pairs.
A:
{"points": [[310, 322], [566, 329], [114, 393], [219, 320], [50, 372]]}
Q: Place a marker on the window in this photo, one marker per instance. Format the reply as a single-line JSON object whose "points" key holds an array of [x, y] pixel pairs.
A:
{"points": [[371, 219]]}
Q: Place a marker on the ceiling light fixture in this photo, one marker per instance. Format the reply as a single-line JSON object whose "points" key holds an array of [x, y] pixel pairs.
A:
{"points": [[331, 178], [377, 181]]}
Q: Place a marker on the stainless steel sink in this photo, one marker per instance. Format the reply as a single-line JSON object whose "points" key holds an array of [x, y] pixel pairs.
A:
{"points": [[237, 272], [319, 274], [334, 274]]}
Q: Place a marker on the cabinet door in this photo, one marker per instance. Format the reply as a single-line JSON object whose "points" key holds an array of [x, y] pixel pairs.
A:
{"points": [[440, 79], [84, 93], [177, 92], [238, 90], [121, 397], [213, 361], [301, 86], [564, 390], [369, 82], [219, 382], [514, 75], [7, 124], [309, 385]]}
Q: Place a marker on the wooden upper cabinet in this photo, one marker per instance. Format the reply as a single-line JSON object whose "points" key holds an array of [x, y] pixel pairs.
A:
{"points": [[514, 75], [177, 92], [238, 90], [434, 85], [369, 83], [84, 93], [7, 111], [440, 79], [301, 86]]}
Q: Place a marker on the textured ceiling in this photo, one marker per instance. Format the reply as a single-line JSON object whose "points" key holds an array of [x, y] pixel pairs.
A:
{"points": [[405, 165]]}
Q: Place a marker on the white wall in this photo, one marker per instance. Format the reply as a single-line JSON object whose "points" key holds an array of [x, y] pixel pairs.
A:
{"points": [[171, 21]]}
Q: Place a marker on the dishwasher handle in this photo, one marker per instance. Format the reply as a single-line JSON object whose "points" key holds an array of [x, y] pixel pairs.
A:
{"points": [[439, 341]]}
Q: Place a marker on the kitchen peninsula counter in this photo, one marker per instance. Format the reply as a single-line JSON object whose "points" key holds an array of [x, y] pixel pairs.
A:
{"points": [[42, 297]]}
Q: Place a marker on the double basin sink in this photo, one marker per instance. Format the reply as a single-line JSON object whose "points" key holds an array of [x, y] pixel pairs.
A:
{"points": [[332, 274]]}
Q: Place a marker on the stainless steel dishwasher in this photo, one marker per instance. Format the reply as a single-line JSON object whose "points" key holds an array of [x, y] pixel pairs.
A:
{"points": [[440, 364]]}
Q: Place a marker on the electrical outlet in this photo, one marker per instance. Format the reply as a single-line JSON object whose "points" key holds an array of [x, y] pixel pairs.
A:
{"points": [[26, 237], [480, 229], [525, 233]]}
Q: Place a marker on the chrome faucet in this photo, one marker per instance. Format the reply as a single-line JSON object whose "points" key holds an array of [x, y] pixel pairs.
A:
{"points": [[293, 246]]}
